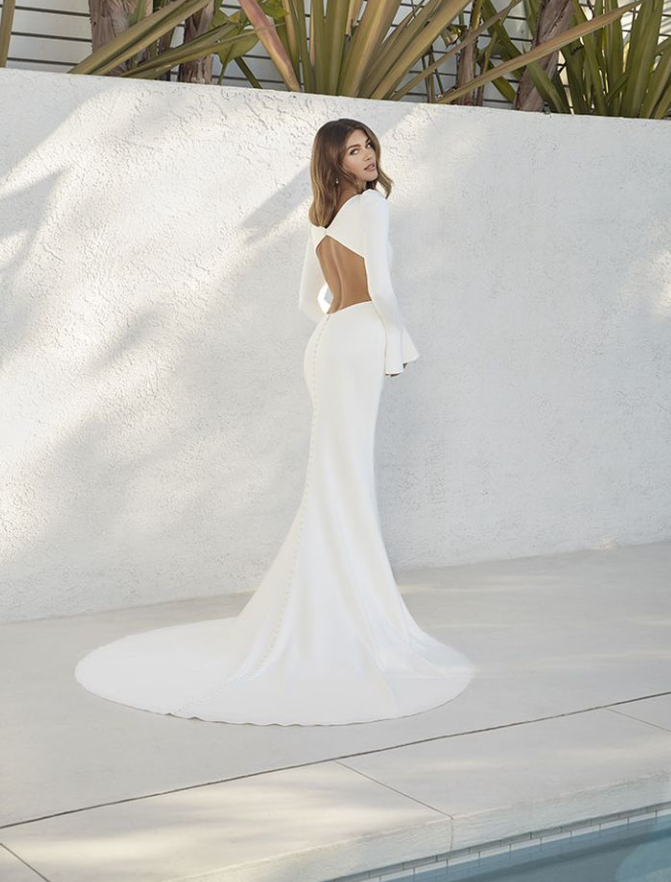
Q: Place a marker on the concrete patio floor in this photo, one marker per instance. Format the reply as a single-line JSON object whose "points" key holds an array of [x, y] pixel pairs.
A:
{"points": [[568, 718]]}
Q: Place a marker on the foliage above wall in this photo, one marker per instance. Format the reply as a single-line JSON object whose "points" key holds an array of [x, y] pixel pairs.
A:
{"points": [[348, 47]]}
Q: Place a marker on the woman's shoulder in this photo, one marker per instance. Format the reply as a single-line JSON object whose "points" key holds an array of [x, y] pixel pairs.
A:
{"points": [[374, 202], [375, 193]]}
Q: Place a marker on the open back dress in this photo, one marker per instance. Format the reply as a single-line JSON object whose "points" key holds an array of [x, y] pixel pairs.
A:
{"points": [[326, 638]]}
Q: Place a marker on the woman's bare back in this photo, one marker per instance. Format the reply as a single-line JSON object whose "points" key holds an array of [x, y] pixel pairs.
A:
{"points": [[345, 273]]}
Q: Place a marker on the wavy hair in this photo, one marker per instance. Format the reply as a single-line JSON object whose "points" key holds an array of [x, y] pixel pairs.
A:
{"points": [[326, 164]]}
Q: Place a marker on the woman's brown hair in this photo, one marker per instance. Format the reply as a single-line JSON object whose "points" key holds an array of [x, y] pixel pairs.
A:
{"points": [[328, 151]]}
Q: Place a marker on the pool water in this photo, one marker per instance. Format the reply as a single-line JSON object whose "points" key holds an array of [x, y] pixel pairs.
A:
{"points": [[636, 852]]}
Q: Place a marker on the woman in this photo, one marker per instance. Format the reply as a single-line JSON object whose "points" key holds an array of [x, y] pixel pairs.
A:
{"points": [[326, 639]]}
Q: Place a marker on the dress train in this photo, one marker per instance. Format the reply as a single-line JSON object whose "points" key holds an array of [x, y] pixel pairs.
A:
{"points": [[326, 639]]}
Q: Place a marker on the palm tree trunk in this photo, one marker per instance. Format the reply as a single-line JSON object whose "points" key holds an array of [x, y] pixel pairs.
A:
{"points": [[199, 70], [554, 17], [109, 18]]}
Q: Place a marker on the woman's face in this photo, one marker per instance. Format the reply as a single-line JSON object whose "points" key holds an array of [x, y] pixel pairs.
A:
{"points": [[360, 160]]}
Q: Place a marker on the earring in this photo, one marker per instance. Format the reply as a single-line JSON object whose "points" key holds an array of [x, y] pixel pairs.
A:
{"points": [[336, 180]]}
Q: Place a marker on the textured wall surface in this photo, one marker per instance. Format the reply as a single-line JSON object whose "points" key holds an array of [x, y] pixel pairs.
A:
{"points": [[155, 419]]}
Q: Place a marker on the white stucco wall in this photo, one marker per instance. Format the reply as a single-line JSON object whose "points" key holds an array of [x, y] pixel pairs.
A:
{"points": [[155, 420]]}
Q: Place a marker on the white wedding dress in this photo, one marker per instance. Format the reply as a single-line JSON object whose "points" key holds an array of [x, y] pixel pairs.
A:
{"points": [[326, 638]]}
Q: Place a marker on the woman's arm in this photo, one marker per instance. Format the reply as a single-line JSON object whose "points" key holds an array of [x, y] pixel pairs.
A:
{"points": [[399, 348], [312, 281]]}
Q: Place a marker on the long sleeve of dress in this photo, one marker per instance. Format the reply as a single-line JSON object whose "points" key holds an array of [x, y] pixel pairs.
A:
{"points": [[312, 282], [400, 348]]}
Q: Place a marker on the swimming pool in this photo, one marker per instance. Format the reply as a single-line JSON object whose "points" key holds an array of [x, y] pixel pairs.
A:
{"points": [[633, 847]]}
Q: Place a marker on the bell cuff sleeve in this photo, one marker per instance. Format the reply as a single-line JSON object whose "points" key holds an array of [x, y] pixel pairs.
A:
{"points": [[399, 349]]}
